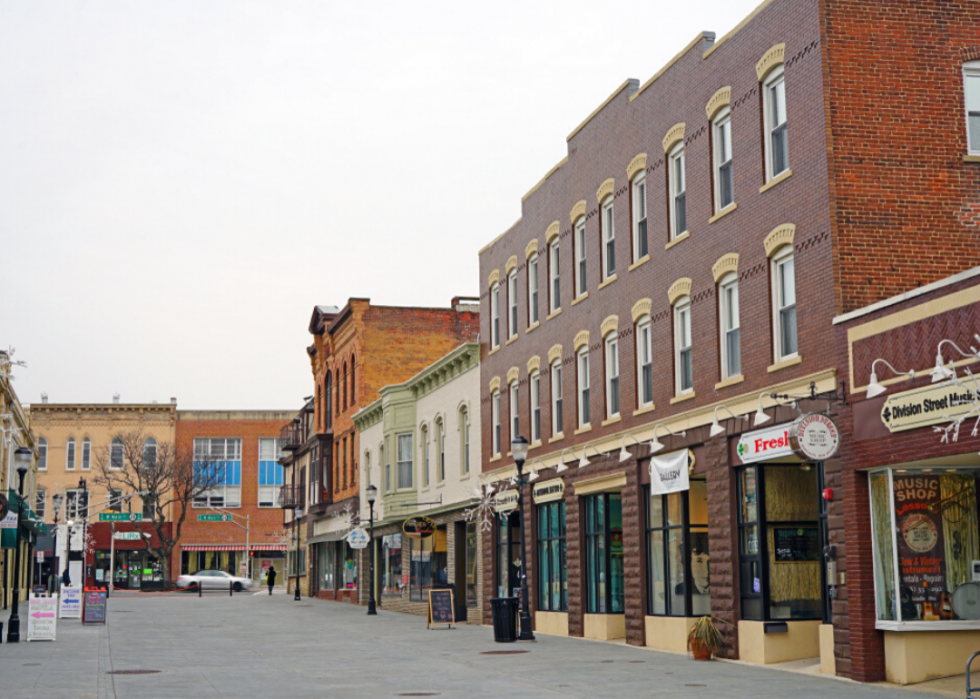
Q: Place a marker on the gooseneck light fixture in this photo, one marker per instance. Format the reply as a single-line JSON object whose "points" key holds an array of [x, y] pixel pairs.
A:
{"points": [[655, 444], [761, 417], [941, 372], [584, 461], [624, 454], [561, 460], [875, 388], [716, 428]]}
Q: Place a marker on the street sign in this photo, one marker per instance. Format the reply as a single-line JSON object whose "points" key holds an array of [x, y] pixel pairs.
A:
{"points": [[126, 536], [120, 517], [358, 538], [40, 556], [214, 518]]}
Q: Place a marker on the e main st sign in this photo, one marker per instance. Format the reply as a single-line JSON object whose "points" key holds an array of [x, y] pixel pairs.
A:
{"points": [[929, 405]]}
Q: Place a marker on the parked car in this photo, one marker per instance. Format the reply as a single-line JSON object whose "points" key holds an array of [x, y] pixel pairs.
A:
{"points": [[213, 580]]}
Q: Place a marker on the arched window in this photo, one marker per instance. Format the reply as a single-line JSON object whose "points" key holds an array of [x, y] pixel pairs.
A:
{"points": [[440, 451], [42, 454], [345, 377], [353, 383], [644, 362], [86, 454], [464, 440], [116, 454], [683, 360], [70, 454], [424, 446], [319, 411], [327, 393], [150, 452], [612, 374]]}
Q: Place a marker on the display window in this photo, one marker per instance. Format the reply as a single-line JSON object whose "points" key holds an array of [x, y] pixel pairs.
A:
{"points": [[677, 553], [552, 572], [508, 555], [391, 565], [605, 592], [429, 565], [926, 545], [780, 542]]}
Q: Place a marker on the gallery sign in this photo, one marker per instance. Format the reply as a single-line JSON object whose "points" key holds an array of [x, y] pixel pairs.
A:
{"points": [[769, 443], [669, 473], [505, 501], [814, 437], [925, 406], [549, 491]]}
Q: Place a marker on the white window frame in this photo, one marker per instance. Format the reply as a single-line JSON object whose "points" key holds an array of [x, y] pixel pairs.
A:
{"points": [[532, 290], [683, 342], [581, 258], [584, 393], [775, 80], [971, 103], [515, 410], [678, 190], [534, 389], [612, 376], [780, 260], [70, 454], [424, 447], [495, 315], [86, 454], [113, 461], [495, 423], [231, 495], [512, 304], [464, 440], [269, 449], [722, 156], [608, 225], [404, 466], [644, 357], [729, 323], [554, 277], [557, 406], [42, 454], [640, 213], [40, 496], [441, 453]]}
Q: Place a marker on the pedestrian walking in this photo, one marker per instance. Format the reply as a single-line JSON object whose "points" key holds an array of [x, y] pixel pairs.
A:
{"points": [[65, 579], [271, 578]]}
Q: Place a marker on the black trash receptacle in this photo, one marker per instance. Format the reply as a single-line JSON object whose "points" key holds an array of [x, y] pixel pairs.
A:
{"points": [[504, 619]]}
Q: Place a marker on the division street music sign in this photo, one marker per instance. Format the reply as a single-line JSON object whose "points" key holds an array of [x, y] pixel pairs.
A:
{"points": [[928, 405]]}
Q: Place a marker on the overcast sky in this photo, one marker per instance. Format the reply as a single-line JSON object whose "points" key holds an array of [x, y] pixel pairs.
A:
{"points": [[181, 182]]}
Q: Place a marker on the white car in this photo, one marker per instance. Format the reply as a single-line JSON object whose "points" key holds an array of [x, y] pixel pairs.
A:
{"points": [[213, 580]]}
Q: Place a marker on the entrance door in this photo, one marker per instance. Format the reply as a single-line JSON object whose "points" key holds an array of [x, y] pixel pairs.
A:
{"points": [[459, 571]]}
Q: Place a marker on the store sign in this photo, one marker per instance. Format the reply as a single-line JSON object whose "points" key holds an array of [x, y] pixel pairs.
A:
{"points": [[548, 491], [505, 501], [929, 405], [41, 621], [921, 546], [126, 536], [770, 443], [419, 527], [357, 538], [669, 472], [70, 606], [815, 437]]}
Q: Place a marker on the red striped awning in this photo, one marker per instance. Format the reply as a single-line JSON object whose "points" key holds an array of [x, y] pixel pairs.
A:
{"points": [[233, 547]]}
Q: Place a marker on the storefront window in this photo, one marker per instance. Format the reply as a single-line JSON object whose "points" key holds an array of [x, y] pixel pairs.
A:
{"points": [[677, 523], [391, 565], [325, 554], [472, 565], [421, 581], [604, 553], [926, 544], [552, 573], [780, 573], [350, 566], [508, 555]]}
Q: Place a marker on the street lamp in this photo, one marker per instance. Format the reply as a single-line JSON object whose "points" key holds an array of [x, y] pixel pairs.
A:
{"points": [[371, 493], [297, 513], [22, 458], [518, 448]]}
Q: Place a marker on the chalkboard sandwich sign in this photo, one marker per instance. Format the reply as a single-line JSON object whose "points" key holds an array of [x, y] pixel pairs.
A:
{"points": [[441, 609], [93, 609]]}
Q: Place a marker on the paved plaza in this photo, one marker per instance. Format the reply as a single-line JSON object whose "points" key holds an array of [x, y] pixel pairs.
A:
{"points": [[256, 645]]}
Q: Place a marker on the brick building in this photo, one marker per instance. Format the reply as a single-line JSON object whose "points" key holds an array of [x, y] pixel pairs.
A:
{"points": [[666, 304], [356, 351], [246, 442]]}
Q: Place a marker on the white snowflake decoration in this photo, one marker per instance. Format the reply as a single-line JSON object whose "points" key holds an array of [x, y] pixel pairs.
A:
{"points": [[347, 517], [951, 432], [485, 510]]}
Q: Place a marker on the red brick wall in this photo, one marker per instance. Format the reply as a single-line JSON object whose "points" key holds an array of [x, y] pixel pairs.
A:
{"points": [[907, 206]]}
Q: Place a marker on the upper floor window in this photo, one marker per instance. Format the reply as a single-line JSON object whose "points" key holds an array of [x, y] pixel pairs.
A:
{"points": [[464, 440], [612, 375], [346, 377], [495, 315], [678, 192], [584, 416], [150, 452], [731, 352], [774, 113], [608, 239], [535, 392], [495, 421], [515, 420], [971, 93], [532, 289], [385, 456], [440, 450], [580, 257], [352, 383], [640, 249], [271, 472], [554, 278], [76, 504], [40, 499], [556, 413], [218, 463], [42, 454], [405, 469], [424, 446], [512, 304], [116, 454], [784, 303], [644, 362], [70, 454], [683, 361], [325, 406], [724, 193]]}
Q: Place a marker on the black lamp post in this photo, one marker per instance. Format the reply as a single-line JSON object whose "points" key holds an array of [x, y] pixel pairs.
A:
{"points": [[518, 448], [371, 493], [22, 457], [297, 513]]}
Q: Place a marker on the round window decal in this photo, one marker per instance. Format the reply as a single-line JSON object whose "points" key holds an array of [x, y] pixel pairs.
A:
{"points": [[920, 533]]}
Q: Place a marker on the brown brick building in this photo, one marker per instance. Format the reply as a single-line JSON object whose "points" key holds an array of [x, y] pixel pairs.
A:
{"points": [[676, 278], [356, 351]]}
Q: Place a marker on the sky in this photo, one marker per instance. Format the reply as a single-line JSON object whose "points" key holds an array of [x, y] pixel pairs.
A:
{"points": [[181, 182]]}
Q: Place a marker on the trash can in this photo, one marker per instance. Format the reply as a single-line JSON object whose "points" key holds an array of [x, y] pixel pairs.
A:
{"points": [[504, 619]]}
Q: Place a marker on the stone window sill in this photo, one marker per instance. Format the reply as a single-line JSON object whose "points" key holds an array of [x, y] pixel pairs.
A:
{"points": [[679, 239], [682, 397], [609, 280], [785, 175], [785, 364], [581, 298], [642, 261], [724, 212]]}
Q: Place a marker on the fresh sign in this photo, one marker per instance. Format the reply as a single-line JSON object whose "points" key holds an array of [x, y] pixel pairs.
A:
{"points": [[770, 443]]}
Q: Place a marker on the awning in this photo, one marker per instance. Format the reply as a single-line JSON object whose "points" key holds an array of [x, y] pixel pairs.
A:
{"points": [[329, 536], [232, 547]]}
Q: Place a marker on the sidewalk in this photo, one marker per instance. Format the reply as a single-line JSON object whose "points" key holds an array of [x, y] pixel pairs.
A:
{"points": [[257, 645]]}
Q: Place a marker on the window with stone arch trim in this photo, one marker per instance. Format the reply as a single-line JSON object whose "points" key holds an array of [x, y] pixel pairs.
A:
{"points": [[42, 454], [70, 454], [424, 454], [769, 70], [353, 383], [463, 412]]}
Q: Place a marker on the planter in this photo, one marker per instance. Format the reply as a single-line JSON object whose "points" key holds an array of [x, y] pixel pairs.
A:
{"points": [[700, 651]]}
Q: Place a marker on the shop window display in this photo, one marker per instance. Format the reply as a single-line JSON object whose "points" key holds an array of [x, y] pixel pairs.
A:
{"points": [[391, 565], [552, 572], [926, 544], [677, 553], [430, 562], [508, 556], [604, 554], [472, 565]]}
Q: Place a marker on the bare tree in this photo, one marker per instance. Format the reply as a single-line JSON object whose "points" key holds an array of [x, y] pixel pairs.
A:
{"points": [[167, 479]]}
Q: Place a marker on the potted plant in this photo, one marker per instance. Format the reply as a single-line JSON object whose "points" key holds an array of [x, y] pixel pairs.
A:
{"points": [[704, 639]]}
